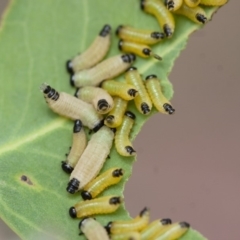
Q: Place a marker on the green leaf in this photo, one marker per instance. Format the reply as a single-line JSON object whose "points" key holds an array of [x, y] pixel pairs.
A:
{"points": [[36, 39]]}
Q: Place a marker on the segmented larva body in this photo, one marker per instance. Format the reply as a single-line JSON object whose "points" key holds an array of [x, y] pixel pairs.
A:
{"points": [[164, 17], [106, 69], [94, 54], [174, 231], [102, 205], [154, 228], [139, 49], [213, 2], [136, 224], [115, 116], [92, 159], [173, 5], [155, 92], [122, 142], [103, 181], [126, 236], [192, 3], [70, 107], [98, 97], [120, 89], [139, 35], [142, 101], [93, 230], [196, 14], [79, 143]]}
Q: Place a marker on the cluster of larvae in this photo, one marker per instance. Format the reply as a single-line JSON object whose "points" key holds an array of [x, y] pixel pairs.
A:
{"points": [[100, 103]]}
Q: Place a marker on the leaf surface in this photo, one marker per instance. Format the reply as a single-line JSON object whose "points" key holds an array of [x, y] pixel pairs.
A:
{"points": [[36, 39]]}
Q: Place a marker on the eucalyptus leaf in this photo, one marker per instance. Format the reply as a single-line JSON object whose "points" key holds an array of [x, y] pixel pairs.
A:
{"points": [[36, 39]]}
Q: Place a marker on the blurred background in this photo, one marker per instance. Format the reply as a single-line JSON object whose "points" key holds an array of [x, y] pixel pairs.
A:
{"points": [[190, 170]]}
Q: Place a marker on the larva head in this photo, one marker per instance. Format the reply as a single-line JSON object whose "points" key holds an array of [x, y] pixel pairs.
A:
{"points": [[84, 221], [119, 29], [184, 225], [115, 200], [131, 69], [130, 115], [157, 35], [86, 195], [105, 30], [108, 227], [132, 92], [117, 173], [120, 43], [69, 67], [72, 83], [73, 185], [201, 18], [142, 4], [146, 51], [167, 30], [166, 221], [72, 212], [150, 77], [170, 5], [130, 150], [145, 108], [77, 126], [103, 106], [144, 212], [49, 92], [110, 119], [98, 126], [66, 167], [168, 108], [128, 58]]}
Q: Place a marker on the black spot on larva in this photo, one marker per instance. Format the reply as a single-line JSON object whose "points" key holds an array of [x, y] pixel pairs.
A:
{"points": [[76, 93], [108, 227], [73, 185], [69, 67], [72, 212], [184, 225], [167, 30], [77, 126], [130, 150], [98, 126], [143, 211], [105, 30], [120, 44], [119, 29], [86, 195], [142, 4], [115, 200], [130, 115], [157, 35], [25, 179], [72, 80], [201, 18], [166, 221], [168, 108], [117, 172], [66, 167], [132, 92], [150, 76], [145, 108], [128, 58], [146, 51]]}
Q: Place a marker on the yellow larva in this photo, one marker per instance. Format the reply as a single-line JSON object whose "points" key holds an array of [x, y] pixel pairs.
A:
{"points": [[93, 230], [103, 181], [106, 69], [126, 236], [139, 49], [92, 159], [120, 89], [115, 116], [174, 231], [100, 99], [102, 205], [142, 101], [192, 3], [154, 227], [173, 5], [164, 17], [70, 107], [196, 14], [213, 2], [78, 145], [122, 142], [139, 35], [94, 54], [136, 224], [155, 92]]}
